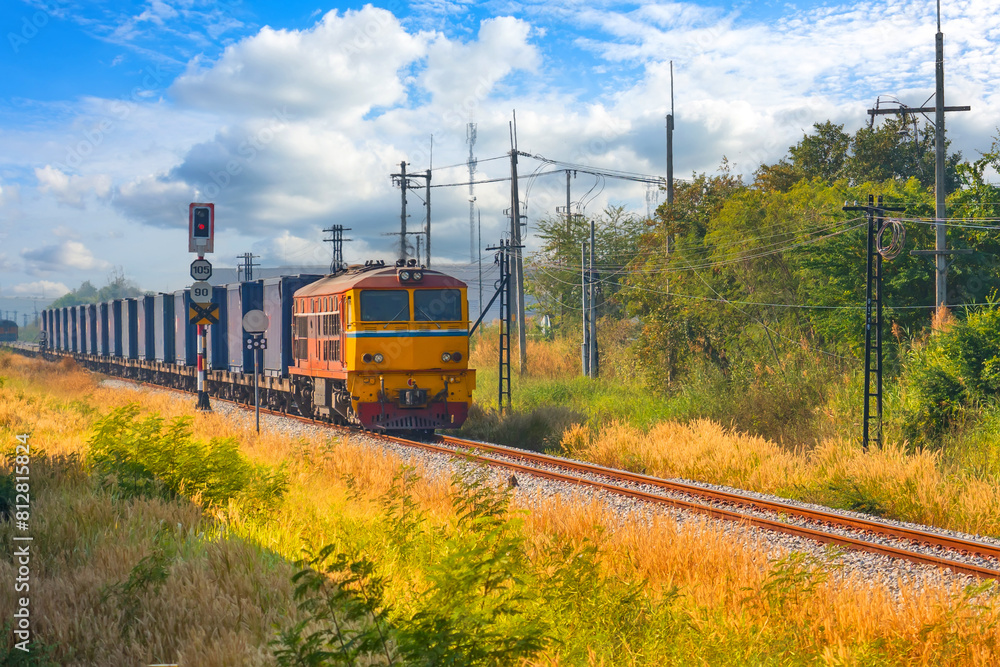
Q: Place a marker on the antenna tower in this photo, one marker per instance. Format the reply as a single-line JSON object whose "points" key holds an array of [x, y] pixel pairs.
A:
{"points": [[470, 137]]}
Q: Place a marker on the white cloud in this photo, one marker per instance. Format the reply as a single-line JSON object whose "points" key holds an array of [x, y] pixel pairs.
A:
{"points": [[46, 288], [71, 190], [458, 72], [346, 64], [62, 256]]}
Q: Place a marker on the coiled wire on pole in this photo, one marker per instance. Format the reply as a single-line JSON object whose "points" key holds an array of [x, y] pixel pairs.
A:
{"points": [[895, 246]]}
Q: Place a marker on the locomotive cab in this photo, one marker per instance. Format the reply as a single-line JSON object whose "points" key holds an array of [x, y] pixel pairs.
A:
{"points": [[384, 347]]}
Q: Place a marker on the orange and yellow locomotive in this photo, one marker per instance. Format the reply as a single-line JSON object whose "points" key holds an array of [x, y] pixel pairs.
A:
{"points": [[383, 347]]}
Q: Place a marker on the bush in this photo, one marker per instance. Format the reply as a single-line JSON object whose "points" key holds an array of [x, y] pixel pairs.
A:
{"points": [[537, 430], [957, 368], [145, 456]]}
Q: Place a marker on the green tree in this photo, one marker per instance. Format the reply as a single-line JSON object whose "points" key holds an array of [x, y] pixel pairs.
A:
{"points": [[553, 275], [897, 149], [117, 287]]}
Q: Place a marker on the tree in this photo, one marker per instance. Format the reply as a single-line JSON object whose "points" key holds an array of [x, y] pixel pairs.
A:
{"points": [[117, 287], [897, 149], [553, 275]]}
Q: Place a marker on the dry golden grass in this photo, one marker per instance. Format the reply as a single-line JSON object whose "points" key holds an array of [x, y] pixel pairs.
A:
{"points": [[219, 600], [911, 486], [559, 358]]}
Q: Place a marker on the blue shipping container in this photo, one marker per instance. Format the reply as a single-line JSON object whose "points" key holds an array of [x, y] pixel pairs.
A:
{"points": [[279, 296], [163, 328], [130, 328], [145, 338]]}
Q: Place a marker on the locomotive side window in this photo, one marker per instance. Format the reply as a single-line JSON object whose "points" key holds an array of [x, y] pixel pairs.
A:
{"points": [[385, 305], [300, 330], [433, 305]]}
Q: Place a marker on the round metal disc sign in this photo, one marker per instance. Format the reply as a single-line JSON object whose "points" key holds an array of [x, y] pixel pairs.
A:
{"points": [[201, 292], [201, 269], [255, 321]]}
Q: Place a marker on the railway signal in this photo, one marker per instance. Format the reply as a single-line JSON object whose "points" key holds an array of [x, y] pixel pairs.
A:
{"points": [[201, 228], [201, 239], [255, 323]]}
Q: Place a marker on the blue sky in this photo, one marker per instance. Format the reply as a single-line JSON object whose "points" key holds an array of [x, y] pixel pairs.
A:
{"points": [[291, 116]]}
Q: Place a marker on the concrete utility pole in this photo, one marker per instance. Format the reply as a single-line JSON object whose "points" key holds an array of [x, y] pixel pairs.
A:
{"points": [[594, 357], [670, 140], [940, 251], [515, 235], [428, 204], [470, 137], [400, 178], [585, 345]]}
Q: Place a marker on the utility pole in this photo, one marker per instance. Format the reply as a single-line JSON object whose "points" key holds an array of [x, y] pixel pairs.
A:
{"points": [[594, 364], [569, 213], [470, 138], [428, 205], [337, 239], [247, 268], [940, 251], [515, 235], [670, 143], [400, 179], [585, 346]]}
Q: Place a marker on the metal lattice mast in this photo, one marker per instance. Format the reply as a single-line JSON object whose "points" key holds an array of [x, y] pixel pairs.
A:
{"points": [[337, 239], [505, 317], [871, 425]]}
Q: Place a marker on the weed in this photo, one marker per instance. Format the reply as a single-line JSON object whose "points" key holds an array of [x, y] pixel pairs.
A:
{"points": [[146, 577], [38, 654], [343, 596]]}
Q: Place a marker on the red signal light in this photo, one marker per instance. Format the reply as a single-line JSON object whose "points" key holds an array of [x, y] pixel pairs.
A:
{"points": [[202, 228]]}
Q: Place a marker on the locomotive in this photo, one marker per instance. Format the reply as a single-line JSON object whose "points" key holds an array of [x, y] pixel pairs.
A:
{"points": [[382, 347], [8, 331]]}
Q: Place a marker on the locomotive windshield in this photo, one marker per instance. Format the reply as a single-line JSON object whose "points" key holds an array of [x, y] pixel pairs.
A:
{"points": [[437, 305], [385, 305]]}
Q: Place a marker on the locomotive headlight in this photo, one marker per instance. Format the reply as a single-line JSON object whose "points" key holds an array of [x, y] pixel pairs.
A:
{"points": [[456, 356], [367, 358], [417, 275], [379, 358], [445, 357], [404, 275]]}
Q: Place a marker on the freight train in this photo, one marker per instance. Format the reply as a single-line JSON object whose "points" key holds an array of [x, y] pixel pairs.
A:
{"points": [[382, 347]]}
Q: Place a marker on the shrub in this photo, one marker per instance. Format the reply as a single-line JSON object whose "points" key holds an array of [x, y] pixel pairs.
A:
{"points": [[144, 456], [537, 430], [958, 367]]}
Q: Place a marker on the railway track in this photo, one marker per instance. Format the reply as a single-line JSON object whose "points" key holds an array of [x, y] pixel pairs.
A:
{"points": [[822, 526]]}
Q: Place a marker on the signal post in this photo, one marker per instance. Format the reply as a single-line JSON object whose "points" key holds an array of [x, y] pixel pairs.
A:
{"points": [[201, 240]]}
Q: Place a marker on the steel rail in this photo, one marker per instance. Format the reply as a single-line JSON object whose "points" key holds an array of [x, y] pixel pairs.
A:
{"points": [[827, 517]]}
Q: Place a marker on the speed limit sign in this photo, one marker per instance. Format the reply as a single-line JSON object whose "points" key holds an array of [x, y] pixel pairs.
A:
{"points": [[201, 269], [201, 292]]}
